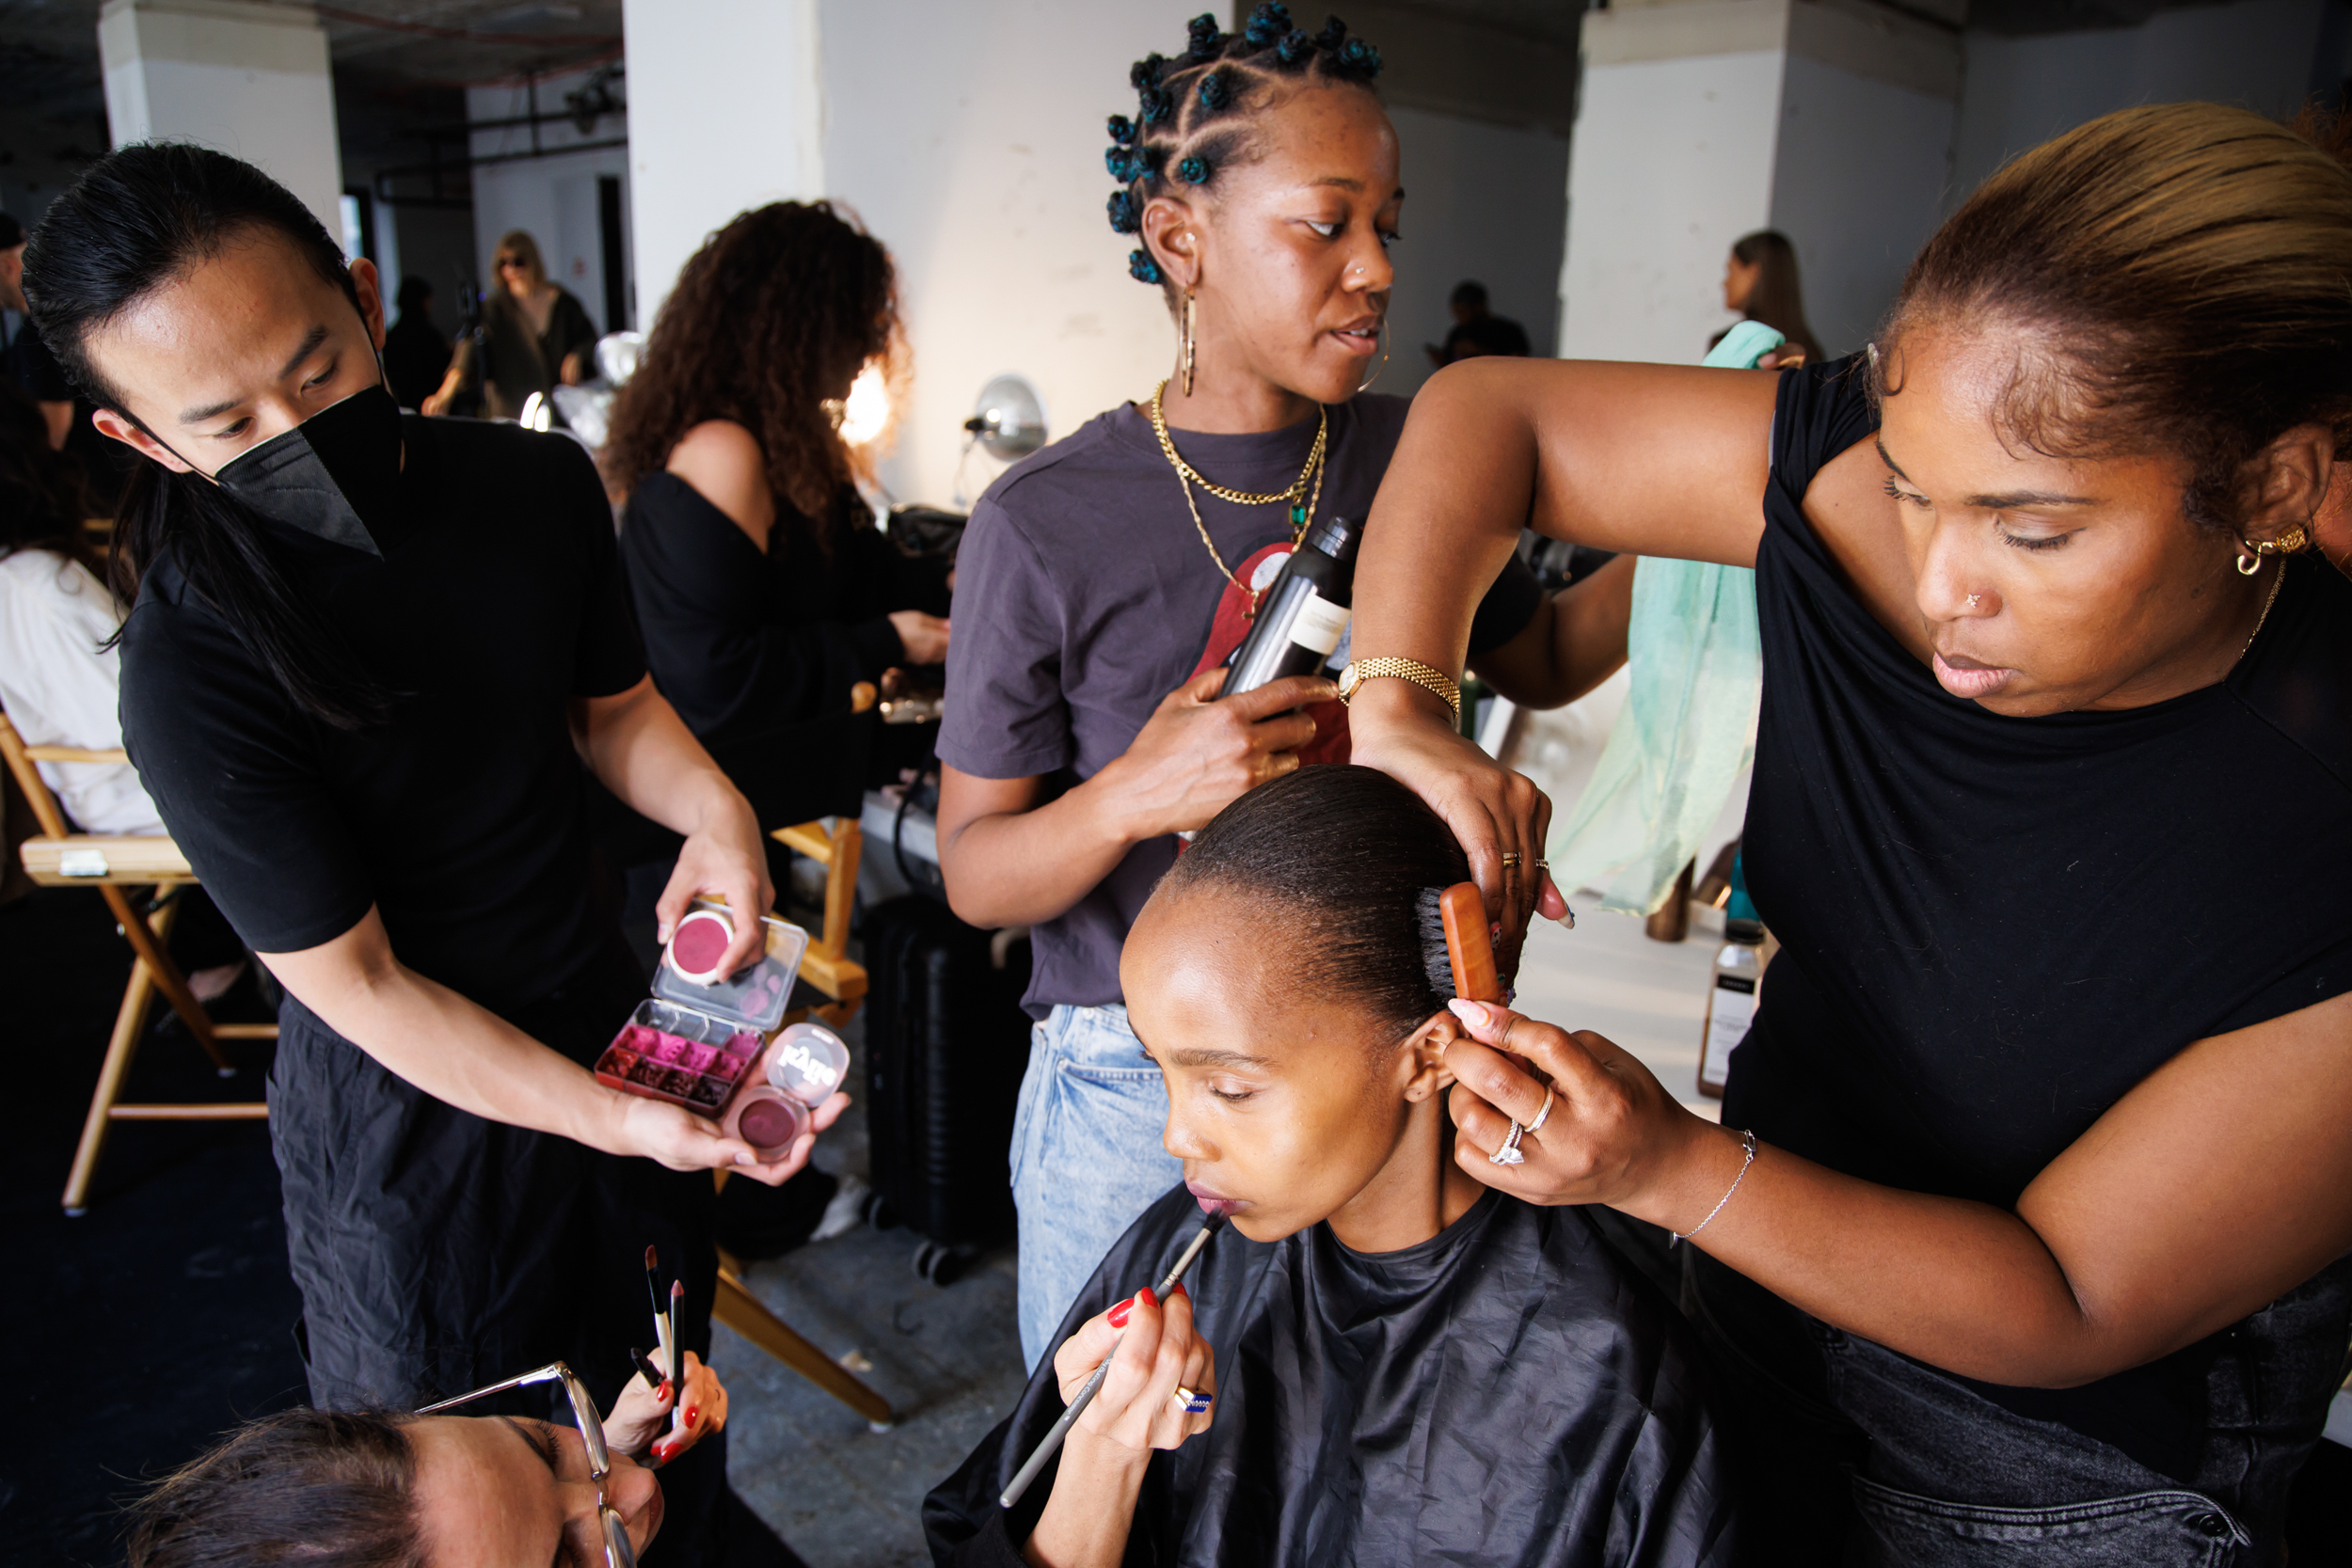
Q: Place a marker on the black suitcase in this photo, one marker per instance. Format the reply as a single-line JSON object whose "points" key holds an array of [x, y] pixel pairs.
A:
{"points": [[947, 1044]]}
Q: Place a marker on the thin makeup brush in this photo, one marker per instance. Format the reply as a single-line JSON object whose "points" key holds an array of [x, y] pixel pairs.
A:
{"points": [[1044, 1450], [646, 1370], [652, 1297], [678, 1346]]}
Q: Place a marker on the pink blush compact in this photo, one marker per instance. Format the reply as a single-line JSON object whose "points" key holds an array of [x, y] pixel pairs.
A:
{"points": [[700, 941], [699, 1042]]}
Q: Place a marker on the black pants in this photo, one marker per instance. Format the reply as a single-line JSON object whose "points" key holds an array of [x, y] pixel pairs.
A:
{"points": [[1853, 1454], [437, 1251]]}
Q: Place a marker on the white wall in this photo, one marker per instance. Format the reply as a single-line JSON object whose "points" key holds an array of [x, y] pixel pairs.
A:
{"points": [[2022, 91], [1482, 201], [250, 80], [969, 138], [554, 198], [1857, 185], [724, 114], [1673, 160]]}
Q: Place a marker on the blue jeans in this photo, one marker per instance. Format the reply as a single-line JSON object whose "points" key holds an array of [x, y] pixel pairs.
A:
{"points": [[1085, 1158]]}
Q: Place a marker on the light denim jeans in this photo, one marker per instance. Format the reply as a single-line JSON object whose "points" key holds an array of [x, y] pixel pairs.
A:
{"points": [[1085, 1158]]}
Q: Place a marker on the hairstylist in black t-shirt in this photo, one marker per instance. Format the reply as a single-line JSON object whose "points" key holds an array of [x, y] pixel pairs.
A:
{"points": [[368, 655], [2041, 1232], [1082, 730]]}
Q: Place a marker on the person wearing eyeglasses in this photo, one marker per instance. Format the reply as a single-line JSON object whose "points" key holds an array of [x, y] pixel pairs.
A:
{"points": [[436, 1486]]}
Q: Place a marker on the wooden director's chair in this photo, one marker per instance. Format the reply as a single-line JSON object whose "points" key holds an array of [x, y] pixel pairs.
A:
{"points": [[116, 866], [826, 969]]}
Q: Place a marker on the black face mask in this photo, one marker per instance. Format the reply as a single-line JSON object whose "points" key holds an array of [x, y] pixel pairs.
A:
{"points": [[332, 476]]}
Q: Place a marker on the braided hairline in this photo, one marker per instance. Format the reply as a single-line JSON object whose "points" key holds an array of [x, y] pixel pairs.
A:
{"points": [[1194, 109]]}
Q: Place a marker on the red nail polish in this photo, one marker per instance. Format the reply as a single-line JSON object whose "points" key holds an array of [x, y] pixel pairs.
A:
{"points": [[661, 1395], [1118, 1313], [692, 1411], [1146, 1298], [1177, 1291]]}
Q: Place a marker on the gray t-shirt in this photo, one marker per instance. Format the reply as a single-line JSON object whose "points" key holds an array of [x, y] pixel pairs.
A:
{"points": [[1084, 596]]}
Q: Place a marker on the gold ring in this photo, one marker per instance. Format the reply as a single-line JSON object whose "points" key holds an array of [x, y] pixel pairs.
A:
{"points": [[1510, 858], [1183, 1395]]}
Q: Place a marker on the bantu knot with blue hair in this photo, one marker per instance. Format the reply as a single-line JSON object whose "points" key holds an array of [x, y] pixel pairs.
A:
{"points": [[1120, 162], [1268, 23], [1216, 90], [1193, 171], [1295, 48], [1124, 219], [1360, 58], [1122, 130], [1334, 33], [1157, 105], [1205, 34], [1147, 72], [1142, 268]]}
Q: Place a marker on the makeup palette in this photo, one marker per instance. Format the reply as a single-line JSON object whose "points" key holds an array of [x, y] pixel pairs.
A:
{"points": [[701, 1043]]}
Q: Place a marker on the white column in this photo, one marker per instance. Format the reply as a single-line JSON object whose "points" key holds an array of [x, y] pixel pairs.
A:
{"points": [[250, 80], [1701, 120], [724, 113]]}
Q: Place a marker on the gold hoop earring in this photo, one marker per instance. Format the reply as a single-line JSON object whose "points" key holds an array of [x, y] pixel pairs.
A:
{"points": [[1366, 385], [2294, 540], [1188, 353]]}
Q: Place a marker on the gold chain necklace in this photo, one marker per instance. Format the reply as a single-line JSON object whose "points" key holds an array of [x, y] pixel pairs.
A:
{"points": [[2276, 583], [1304, 495]]}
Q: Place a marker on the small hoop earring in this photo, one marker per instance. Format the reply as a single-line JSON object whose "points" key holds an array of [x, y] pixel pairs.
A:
{"points": [[2295, 539], [1187, 329], [1366, 385]]}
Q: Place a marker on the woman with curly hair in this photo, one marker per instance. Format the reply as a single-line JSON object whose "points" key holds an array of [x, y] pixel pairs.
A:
{"points": [[762, 587], [1120, 565]]}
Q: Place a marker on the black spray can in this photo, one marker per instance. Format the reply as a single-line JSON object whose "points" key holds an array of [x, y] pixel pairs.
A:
{"points": [[1302, 617]]}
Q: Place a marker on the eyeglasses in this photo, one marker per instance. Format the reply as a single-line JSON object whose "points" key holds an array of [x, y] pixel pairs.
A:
{"points": [[618, 1553]]}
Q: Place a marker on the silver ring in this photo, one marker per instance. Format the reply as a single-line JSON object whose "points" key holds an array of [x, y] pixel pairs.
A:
{"points": [[1509, 1153], [1541, 1117]]}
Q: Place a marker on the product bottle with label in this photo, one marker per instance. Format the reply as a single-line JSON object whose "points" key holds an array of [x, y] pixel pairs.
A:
{"points": [[1304, 615], [1732, 996]]}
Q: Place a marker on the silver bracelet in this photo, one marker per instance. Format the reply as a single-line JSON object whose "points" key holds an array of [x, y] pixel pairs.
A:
{"points": [[1747, 1141]]}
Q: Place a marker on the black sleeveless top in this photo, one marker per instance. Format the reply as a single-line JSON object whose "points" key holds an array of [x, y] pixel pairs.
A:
{"points": [[1994, 927], [758, 649]]}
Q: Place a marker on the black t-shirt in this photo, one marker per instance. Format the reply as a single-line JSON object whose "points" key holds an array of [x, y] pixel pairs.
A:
{"points": [[758, 649], [1100, 597], [1993, 927], [499, 599]]}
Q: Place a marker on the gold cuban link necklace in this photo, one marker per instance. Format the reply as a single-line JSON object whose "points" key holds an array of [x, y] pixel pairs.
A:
{"points": [[1304, 494]]}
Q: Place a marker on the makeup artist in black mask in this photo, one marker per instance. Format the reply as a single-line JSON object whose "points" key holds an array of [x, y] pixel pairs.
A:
{"points": [[368, 655]]}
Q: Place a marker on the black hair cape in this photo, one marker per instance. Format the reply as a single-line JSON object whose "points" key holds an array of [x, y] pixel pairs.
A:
{"points": [[1506, 1392]]}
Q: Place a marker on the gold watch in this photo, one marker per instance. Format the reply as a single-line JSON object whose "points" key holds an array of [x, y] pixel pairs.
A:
{"points": [[1425, 676]]}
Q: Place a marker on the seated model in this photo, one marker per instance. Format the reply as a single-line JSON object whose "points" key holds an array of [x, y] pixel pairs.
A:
{"points": [[378, 1487], [1400, 1365]]}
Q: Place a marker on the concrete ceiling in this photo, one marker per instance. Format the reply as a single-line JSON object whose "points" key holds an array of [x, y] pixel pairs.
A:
{"points": [[49, 48]]}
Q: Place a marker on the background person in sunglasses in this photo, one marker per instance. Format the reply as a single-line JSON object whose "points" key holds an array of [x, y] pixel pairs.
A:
{"points": [[453, 1490]]}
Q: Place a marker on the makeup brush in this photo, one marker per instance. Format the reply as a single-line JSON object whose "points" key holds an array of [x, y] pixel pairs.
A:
{"points": [[678, 1346], [652, 1296], [1044, 1450], [646, 1370]]}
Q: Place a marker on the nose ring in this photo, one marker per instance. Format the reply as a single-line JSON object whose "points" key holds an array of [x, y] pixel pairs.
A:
{"points": [[1973, 599]]}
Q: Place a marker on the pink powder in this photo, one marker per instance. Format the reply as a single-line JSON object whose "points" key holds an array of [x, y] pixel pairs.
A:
{"points": [[700, 941]]}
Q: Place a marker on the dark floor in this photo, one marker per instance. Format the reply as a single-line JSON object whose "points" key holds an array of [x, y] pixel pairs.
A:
{"points": [[164, 1314]]}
